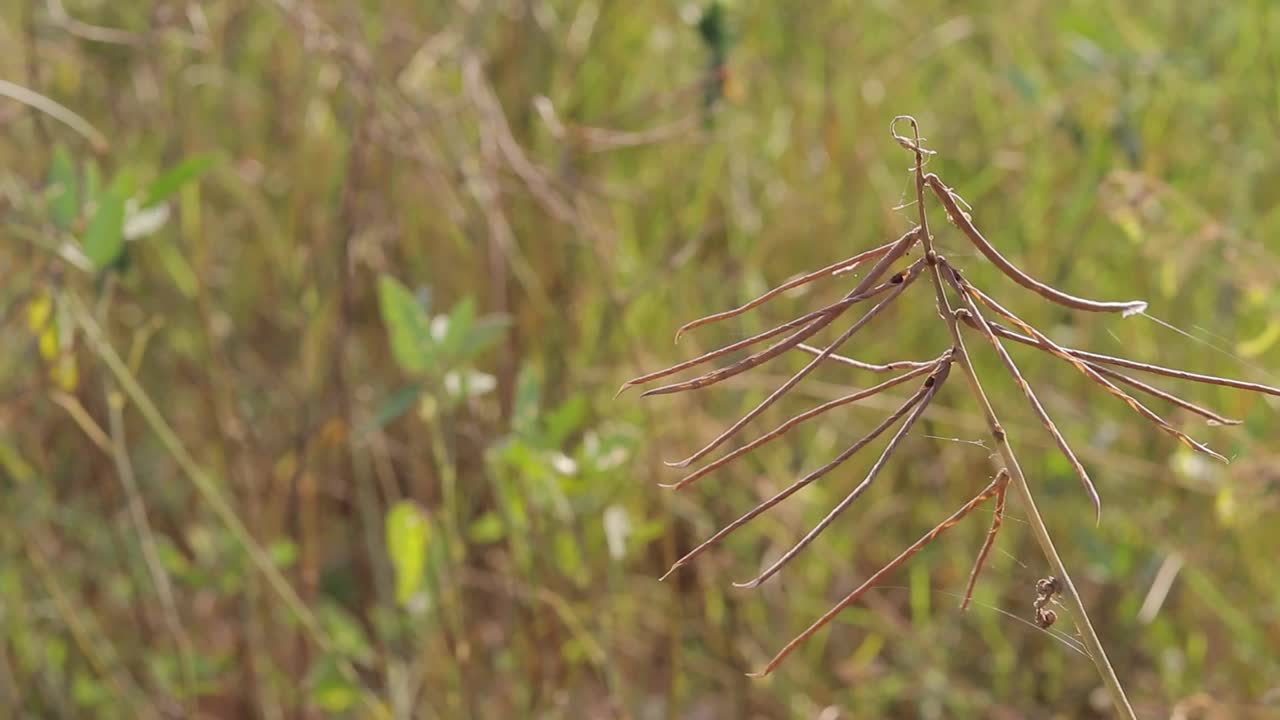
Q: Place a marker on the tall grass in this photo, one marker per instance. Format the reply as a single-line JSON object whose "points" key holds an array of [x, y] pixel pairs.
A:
{"points": [[467, 521]]}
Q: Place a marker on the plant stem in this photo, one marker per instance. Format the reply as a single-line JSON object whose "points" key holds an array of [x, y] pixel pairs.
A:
{"points": [[213, 496], [1019, 481], [1067, 589]]}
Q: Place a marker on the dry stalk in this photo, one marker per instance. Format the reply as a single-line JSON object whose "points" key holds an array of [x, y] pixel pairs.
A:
{"points": [[969, 313]]}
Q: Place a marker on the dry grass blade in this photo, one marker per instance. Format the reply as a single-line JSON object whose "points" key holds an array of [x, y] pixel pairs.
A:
{"points": [[997, 519], [964, 291], [996, 487], [796, 420], [832, 269], [1092, 374], [931, 385], [902, 280], [793, 488], [873, 367], [1101, 359], [961, 220]]}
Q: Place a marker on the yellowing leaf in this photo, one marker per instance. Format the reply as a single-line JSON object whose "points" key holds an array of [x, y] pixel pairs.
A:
{"points": [[39, 310], [407, 531], [65, 373], [1225, 504], [13, 463]]}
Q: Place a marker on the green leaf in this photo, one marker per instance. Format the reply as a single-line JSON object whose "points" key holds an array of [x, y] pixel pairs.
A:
{"points": [[488, 528], [528, 397], [408, 327], [87, 692], [393, 407], [458, 328], [566, 419], [104, 237], [172, 180], [345, 633], [487, 331], [64, 205], [407, 533], [92, 181]]}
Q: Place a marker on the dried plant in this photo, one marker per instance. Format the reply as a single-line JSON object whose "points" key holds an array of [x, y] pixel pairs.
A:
{"points": [[970, 309]]}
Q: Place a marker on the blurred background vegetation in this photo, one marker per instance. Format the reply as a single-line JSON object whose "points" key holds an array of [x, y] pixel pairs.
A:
{"points": [[313, 313]]}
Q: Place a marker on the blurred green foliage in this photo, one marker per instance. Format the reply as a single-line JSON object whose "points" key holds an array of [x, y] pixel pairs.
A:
{"points": [[382, 267]]}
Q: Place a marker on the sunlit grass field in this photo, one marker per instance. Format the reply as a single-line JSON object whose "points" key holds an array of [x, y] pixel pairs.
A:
{"points": [[312, 316]]}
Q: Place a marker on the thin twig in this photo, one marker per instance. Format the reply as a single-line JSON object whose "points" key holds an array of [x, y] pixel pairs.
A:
{"points": [[863, 290], [796, 420], [1213, 417], [1092, 374], [1142, 366], [961, 220], [963, 290], [58, 112], [873, 367], [796, 486], [931, 384], [832, 269], [997, 519], [996, 487], [819, 314], [1019, 481], [147, 542], [904, 279]]}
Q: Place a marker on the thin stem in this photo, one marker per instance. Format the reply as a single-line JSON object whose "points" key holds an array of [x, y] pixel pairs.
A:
{"points": [[904, 278], [995, 488], [1100, 359], [873, 367], [147, 541], [821, 319], [997, 519], [796, 420], [961, 220], [210, 492], [931, 386], [1213, 417], [833, 269], [796, 486], [1019, 481], [963, 290], [1093, 375], [1071, 596], [835, 307]]}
